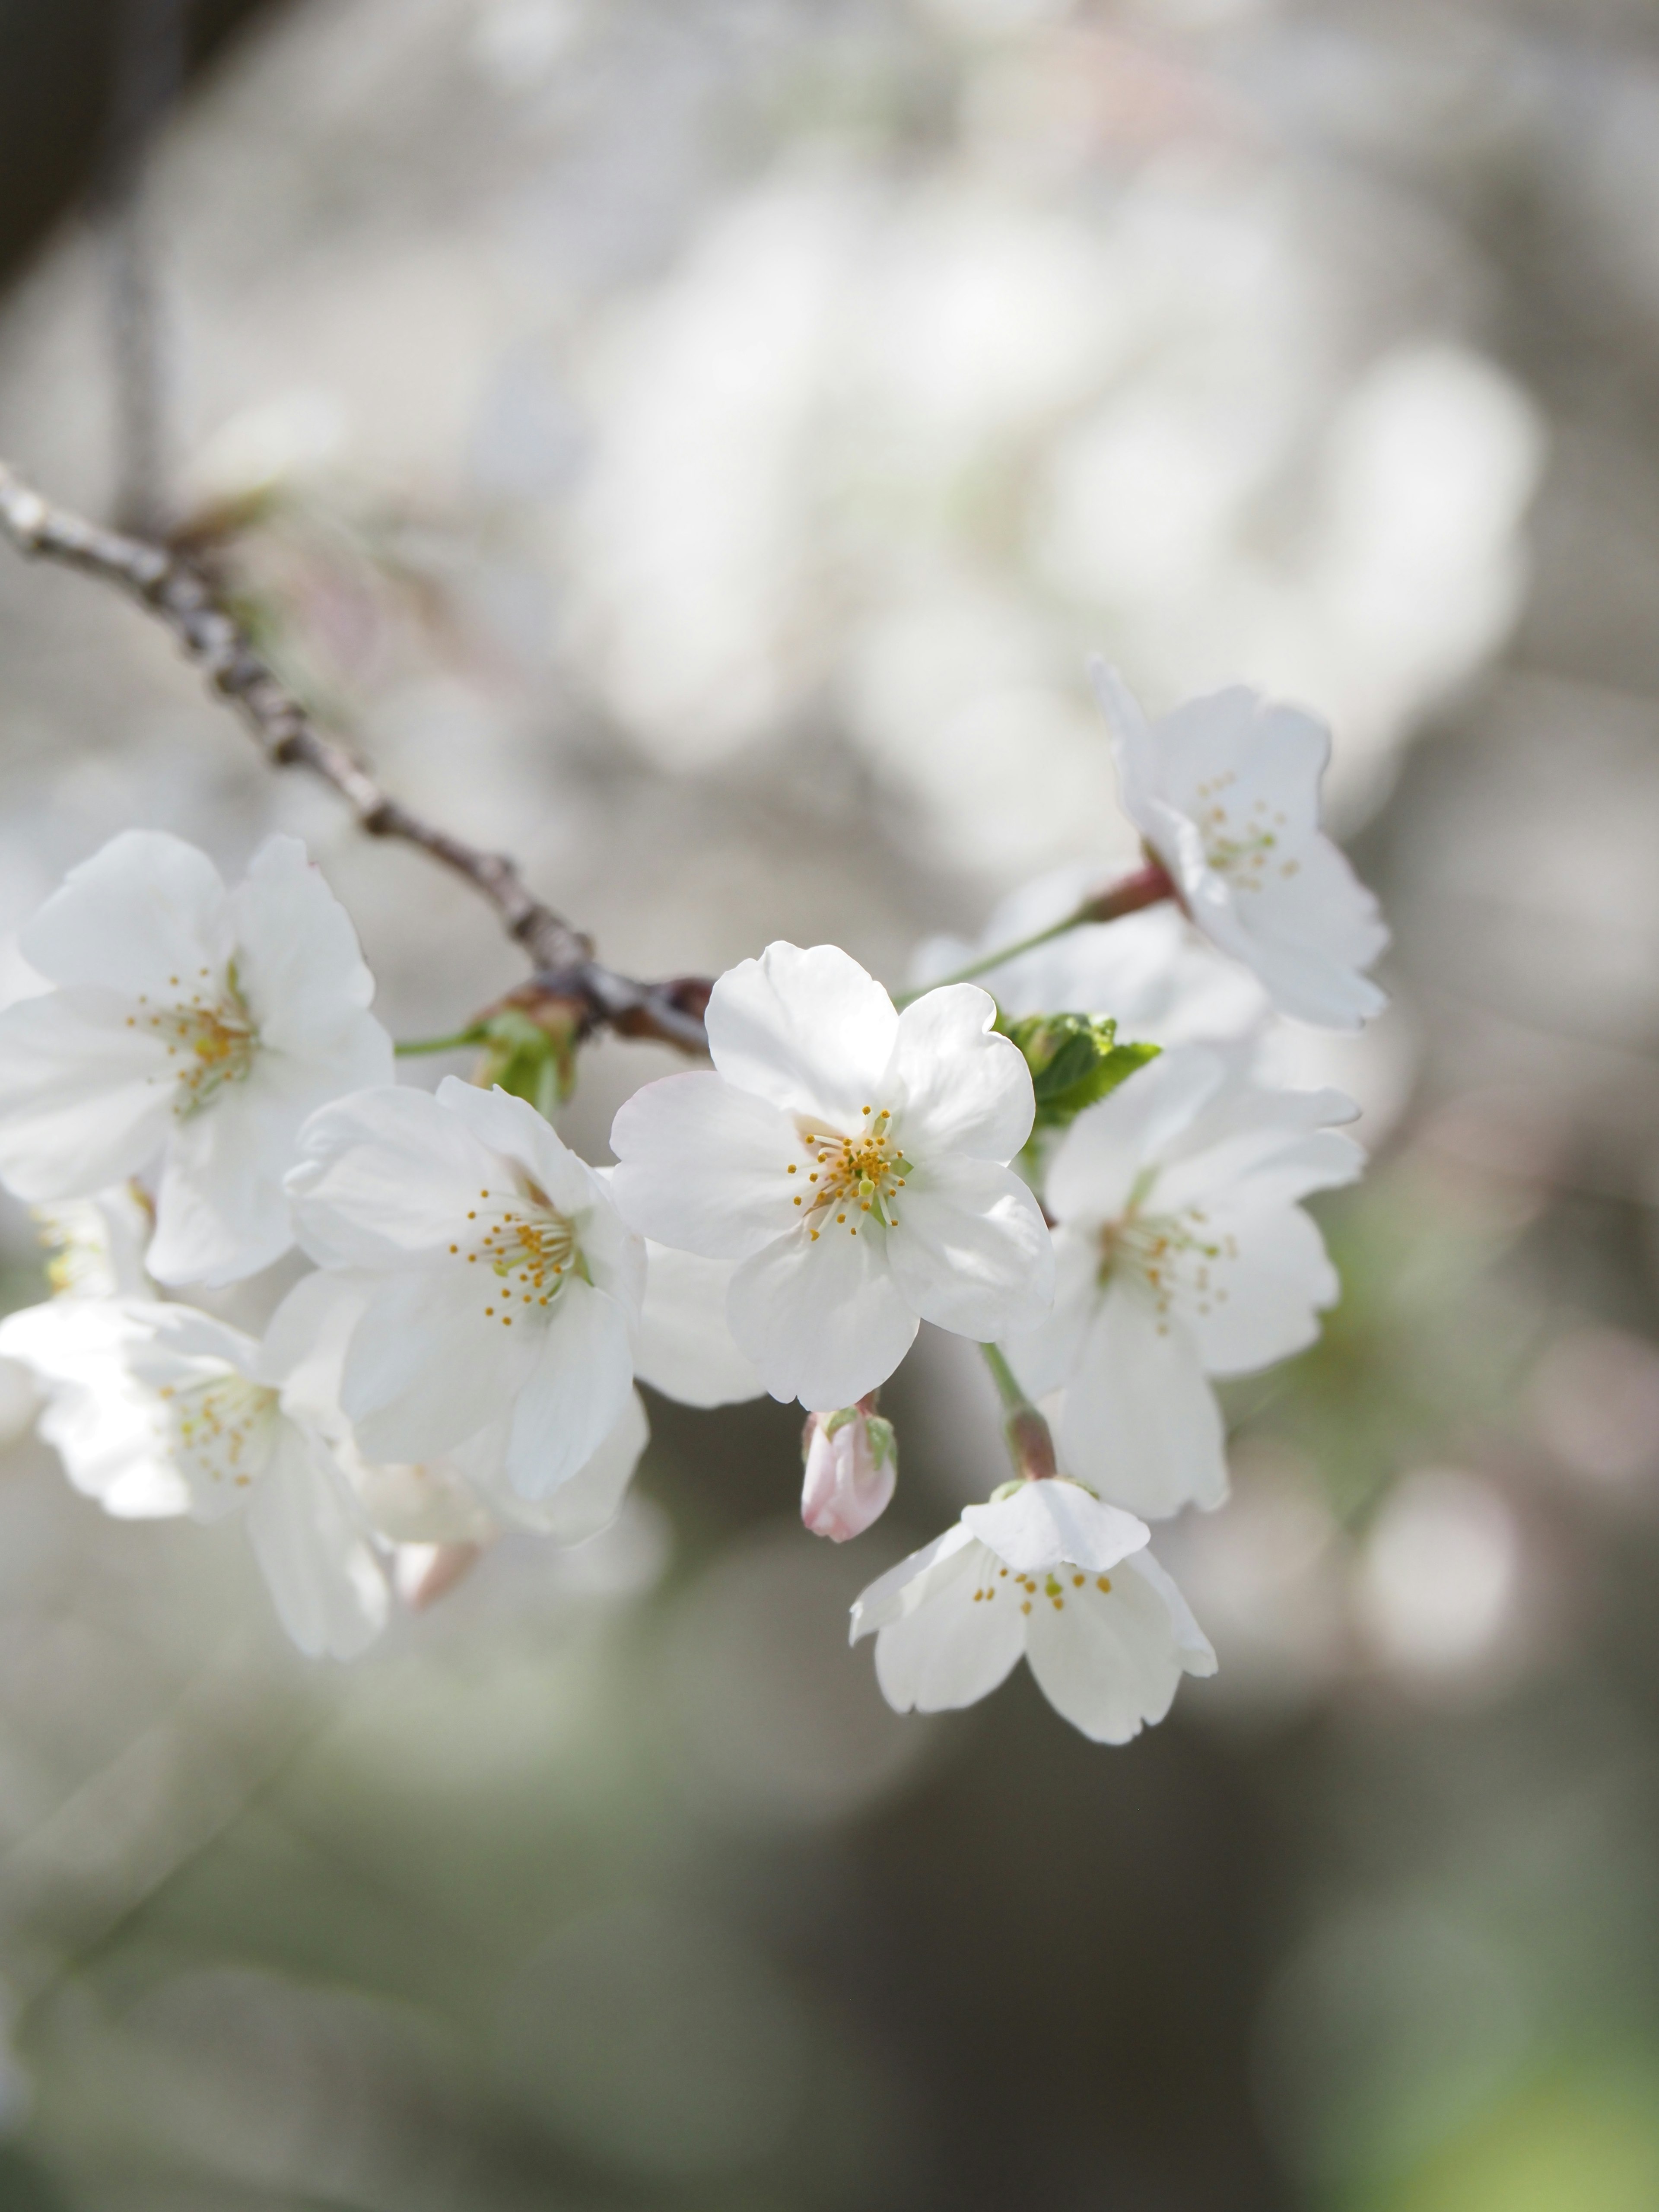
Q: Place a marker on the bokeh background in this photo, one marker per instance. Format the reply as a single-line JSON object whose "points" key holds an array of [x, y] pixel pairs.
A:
{"points": [[695, 444]]}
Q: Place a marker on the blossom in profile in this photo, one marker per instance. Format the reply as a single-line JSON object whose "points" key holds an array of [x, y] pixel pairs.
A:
{"points": [[192, 1031], [500, 1285], [852, 1162], [1226, 792], [1182, 1252], [852, 1468], [1046, 1572], [1150, 972], [159, 1410]]}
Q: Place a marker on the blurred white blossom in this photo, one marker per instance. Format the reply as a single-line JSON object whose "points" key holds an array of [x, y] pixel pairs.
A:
{"points": [[158, 1410], [1226, 791], [192, 1025]]}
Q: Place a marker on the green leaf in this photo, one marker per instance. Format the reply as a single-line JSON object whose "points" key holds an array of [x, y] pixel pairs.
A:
{"points": [[1075, 1061]]}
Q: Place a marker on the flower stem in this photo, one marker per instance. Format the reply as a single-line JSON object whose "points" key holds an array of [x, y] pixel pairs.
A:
{"points": [[1146, 887], [463, 1040], [1030, 1445], [1003, 1375]]}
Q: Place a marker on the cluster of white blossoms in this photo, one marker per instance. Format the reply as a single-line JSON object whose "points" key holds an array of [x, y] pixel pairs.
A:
{"points": [[453, 1349]]}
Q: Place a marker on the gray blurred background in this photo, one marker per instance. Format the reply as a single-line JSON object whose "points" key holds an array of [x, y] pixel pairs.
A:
{"points": [[695, 444]]}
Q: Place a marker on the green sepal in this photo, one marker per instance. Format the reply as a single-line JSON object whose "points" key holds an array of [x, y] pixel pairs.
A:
{"points": [[1075, 1061], [524, 1058], [884, 1443]]}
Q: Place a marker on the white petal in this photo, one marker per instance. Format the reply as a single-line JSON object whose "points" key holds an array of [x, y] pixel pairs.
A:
{"points": [[577, 1394], [146, 911], [302, 1352], [1134, 744], [898, 1592], [330, 1593], [1043, 1358], [1278, 1280], [427, 1367], [591, 1500], [954, 1086], [85, 1100], [511, 1128], [1043, 1523], [384, 1178], [1099, 1160], [809, 1031], [1110, 1661], [970, 1249], [172, 1344], [687, 1350], [1308, 936], [705, 1166], [1259, 1147], [1138, 1419], [823, 1322], [300, 969], [956, 1647], [221, 1211]]}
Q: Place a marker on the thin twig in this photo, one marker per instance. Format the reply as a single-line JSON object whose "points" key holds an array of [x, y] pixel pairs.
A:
{"points": [[173, 590]]}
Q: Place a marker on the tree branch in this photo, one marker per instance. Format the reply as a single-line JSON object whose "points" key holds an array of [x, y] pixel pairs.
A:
{"points": [[176, 592]]}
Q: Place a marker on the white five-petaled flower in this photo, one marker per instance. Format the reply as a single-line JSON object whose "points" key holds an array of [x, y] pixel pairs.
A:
{"points": [[1046, 1571], [192, 1025], [851, 1161], [1182, 1252], [500, 1282], [1151, 972], [1226, 791], [159, 1410]]}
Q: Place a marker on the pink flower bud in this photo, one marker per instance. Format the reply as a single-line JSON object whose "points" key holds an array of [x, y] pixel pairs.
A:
{"points": [[426, 1573], [851, 1465]]}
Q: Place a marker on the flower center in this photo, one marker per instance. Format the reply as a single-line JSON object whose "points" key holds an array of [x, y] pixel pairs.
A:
{"points": [[525, 1249], [1243, 849], [209, 1036], [845, 1179], [1175, 1255], [1050, 1586], [221, 1430]]}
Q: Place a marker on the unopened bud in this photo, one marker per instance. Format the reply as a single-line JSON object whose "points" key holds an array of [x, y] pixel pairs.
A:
{"points": [[851, 1466], [426, 1573]]}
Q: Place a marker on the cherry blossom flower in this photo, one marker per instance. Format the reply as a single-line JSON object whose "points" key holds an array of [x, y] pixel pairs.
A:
{"points": [[160, 1410], [1182, 1252], [852, 1162], [501, 1282], [1226, 791], [1150, 972], [852, 1468], [191, 1026], [1046, 1571]]}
